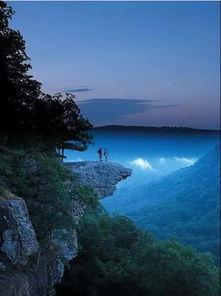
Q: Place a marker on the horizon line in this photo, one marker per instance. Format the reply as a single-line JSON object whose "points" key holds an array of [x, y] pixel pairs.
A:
{"points": [[157, 127]]}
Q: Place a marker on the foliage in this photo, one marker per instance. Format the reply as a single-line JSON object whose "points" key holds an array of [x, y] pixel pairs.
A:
{"points": [[86, 194], [18, 89], [58, 120], [27, 113], [184, 203], [116, 258], [47, 186]]}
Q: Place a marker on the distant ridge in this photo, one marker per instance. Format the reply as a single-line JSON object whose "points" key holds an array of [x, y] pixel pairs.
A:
{"points": [[184, 203], [152, 129]]}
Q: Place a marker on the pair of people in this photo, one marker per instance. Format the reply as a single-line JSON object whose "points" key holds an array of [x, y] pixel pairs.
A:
{"points": [[101, 153]]}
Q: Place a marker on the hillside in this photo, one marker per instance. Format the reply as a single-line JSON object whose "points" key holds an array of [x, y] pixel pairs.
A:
{"points": [[38, 231], [55, 236], [162, 129], [184, 203]]}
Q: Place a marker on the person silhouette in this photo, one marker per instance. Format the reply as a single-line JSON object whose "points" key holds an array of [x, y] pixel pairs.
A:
{"points": [[105, 154], [99, 151]]}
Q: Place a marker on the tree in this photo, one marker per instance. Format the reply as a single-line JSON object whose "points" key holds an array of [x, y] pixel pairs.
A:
{"points": [[18, 89], [25, 110], [76, 127], [117, 258], [58, 119]]}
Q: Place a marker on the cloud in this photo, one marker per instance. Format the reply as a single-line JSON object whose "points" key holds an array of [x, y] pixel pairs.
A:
{"points": [[142, 163], [162, 160], [102, 111], [78, 90], [183, 161], [186, 161], [74, 160]]}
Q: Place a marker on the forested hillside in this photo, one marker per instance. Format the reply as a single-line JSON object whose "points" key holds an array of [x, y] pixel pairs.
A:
{"points": [[42, 205], [184, 203], [117, 258]]}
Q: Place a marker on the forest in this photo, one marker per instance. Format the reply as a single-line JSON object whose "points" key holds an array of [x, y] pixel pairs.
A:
{"points": [[183, 204], [115, 256]]}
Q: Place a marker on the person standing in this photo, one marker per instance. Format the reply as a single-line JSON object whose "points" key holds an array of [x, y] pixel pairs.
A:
{"points": [[105, 154], [99, 151]]}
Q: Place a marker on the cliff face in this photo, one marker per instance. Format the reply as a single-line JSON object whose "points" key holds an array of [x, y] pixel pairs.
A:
{"points": [[102, 176], [26, 269]]}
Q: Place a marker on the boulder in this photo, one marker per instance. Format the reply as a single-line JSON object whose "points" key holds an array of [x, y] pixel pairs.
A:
{"points": [[102, 176], [17, 236]]}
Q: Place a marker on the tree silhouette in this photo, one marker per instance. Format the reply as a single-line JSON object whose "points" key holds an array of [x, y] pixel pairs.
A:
{"points": [[18, 89], [24, 109], [59, 121]]}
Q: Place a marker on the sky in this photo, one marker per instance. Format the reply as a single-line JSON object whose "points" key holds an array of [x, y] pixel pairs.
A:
{"points": [[129, 63]]}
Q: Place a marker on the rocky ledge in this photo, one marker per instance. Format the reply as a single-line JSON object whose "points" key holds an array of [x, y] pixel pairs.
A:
{"points": [[102, 176], [25, 269]]}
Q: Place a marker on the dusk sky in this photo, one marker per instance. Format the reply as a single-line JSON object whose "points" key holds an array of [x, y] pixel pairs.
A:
{"points": [[131, 63]]}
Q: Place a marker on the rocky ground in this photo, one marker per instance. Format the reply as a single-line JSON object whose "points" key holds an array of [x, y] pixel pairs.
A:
{"points": [[25, 269]]}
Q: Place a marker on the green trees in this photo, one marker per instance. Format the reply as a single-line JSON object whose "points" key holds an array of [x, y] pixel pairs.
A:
{"points": [[47, 186], [116, 258], [35, 128], [185, 203], [25, 112]]}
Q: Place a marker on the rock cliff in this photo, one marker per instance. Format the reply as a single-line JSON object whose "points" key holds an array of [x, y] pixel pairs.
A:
{"points": [[26, 269], [102, 176]]}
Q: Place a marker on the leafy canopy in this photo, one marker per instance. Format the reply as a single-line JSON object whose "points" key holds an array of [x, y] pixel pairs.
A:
{"points": [[25, 112], [47, 186], [117, 258]]}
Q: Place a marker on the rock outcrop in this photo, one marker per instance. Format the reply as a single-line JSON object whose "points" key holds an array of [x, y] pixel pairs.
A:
{"points": [[18, 236], [102, 176], [17, 244], [26, 269]]}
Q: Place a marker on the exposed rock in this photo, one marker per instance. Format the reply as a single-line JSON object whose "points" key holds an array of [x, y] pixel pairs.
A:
{"points": [[2, 267], [17, 243], [78, 208], [102, 176], [65, 243], [18, 240], [14, 283], [59, 268], [25, 268]]}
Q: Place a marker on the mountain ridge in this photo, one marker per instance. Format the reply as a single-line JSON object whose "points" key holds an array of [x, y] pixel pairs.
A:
{"points": [[184, 203], [153, 129]]}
